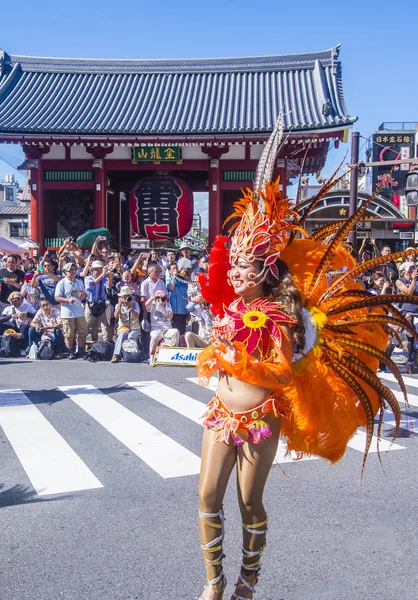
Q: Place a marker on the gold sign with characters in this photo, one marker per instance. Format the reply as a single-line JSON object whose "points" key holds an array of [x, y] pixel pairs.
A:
{"points": [[393, 139], [156, 154]]}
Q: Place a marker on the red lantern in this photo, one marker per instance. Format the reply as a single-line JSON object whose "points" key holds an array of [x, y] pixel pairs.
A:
{"points": [[161, 208]]}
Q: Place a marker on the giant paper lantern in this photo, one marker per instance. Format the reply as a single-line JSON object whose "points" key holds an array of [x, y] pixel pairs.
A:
{"points": [[161, 208]]}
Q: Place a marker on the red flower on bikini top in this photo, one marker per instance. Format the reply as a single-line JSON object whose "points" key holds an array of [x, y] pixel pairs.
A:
{"points": [[257, 325]]}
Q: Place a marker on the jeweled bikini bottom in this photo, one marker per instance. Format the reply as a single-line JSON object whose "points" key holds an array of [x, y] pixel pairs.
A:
{"points": [[240, 427]]}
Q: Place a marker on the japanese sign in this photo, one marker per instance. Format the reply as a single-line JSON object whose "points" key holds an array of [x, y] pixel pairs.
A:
{"points": [[156, 154], [392, 145], [161, 208]]}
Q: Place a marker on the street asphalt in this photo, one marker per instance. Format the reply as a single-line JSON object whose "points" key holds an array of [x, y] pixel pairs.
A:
{"points": [[331, 535]]}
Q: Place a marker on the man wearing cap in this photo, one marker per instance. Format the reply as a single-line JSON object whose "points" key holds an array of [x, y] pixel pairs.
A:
{"points": [[95, 308], [17, 316], [407, 284], [127, 312], [185, 261], [70, 293]]}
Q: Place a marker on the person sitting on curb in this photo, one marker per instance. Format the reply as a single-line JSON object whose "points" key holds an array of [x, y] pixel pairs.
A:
{"points": [[47, 325], [127, 312], [161, 325], [17, 316]]}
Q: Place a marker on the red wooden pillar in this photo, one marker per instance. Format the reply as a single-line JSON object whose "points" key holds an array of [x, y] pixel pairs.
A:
{"points": [[100, 181], [33, 158], [215, 200], [215, 192], [100, 192], [34, 201]]}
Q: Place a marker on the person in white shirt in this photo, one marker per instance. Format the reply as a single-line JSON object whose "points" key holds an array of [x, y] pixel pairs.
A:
{"points": [[47, 325], [161, 327], [70, 293]]}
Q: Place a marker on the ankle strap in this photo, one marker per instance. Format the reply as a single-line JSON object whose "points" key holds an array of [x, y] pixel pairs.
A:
{"points": [[252, 527], [247, 585], [216, 544]]}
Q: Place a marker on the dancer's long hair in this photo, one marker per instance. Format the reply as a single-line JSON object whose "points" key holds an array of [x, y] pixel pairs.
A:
{"points": [[286, 293]]}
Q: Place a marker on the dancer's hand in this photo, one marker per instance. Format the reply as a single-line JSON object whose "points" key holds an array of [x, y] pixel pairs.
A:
{"points": [[227, 350]]}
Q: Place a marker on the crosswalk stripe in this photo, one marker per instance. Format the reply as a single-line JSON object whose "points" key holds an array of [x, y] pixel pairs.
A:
{"points": [[358, 442], [193, 409], [50, 463], [165, 456], [409, 381], [213, 383]]}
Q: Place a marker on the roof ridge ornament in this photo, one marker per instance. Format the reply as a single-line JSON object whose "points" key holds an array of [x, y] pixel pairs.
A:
{"points": [[5, 63]]}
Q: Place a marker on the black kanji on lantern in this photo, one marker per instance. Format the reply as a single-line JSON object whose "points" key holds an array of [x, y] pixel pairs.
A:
{"points": [[157, 202]]}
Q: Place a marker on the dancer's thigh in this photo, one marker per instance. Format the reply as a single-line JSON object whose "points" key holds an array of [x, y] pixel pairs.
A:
{"points": [[253, 466], [218, 460]]}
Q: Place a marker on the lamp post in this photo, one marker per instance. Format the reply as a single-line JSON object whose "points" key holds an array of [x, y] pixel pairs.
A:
{"points": [[355, 139]]}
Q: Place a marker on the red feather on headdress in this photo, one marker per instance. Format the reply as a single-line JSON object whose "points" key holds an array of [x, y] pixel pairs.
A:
{"points": [[214, 286]]}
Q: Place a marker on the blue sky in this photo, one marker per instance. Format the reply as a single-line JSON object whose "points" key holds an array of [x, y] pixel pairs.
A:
{"points": [[378, 38]]}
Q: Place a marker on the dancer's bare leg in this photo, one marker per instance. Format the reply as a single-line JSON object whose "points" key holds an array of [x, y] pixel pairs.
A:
{"points": [[253, 466], [218, 460]]}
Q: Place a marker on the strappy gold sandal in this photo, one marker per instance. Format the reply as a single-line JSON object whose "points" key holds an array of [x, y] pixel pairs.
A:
{"points": [[215, 545], [251, 561]]}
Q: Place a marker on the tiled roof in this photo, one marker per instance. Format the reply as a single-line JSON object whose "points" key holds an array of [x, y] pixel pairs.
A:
{"points": [[202, 96], [14, 210]]}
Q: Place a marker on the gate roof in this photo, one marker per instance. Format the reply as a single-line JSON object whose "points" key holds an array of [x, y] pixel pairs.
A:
{"points": [[171, 97]]}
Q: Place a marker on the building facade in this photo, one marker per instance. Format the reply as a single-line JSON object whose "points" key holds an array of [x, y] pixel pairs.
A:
{"points": [[92, 129]]}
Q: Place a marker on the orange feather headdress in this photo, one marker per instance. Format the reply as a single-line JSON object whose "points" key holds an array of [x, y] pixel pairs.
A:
{"points": [[265, 218]]}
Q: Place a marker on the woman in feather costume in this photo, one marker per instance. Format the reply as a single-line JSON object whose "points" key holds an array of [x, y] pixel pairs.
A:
{"points": [[297, 344]]}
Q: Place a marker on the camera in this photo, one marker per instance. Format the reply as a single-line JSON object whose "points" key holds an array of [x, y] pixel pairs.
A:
{"points": [[114, 271], [128, 298], [163, 299]]}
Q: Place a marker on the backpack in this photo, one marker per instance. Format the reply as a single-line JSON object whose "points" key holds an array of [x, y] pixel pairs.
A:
{"points": [[9, 346], [100, 351], [45, 350], [132, 352]]}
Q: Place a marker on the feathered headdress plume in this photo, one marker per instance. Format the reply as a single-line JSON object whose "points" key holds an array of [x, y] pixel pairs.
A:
{"points": [[265, 218]]}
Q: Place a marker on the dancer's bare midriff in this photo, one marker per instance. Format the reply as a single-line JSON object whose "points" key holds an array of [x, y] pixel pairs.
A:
{"points": [[239, 396]]}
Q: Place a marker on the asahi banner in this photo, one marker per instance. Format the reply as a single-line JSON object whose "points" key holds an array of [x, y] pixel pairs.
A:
{"points": [[161, 208], [183, 357]]}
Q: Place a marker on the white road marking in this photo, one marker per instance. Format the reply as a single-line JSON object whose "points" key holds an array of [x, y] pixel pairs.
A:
{"points": [[50, 463], [409, 381], [358, 442], [213, 383], [181, 403], [193, 409], [283, 457], [165, 456]]}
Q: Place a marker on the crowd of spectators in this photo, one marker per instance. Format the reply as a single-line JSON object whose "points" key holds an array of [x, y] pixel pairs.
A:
{"points": [[152, 298], [74, 298], [394, 278]]}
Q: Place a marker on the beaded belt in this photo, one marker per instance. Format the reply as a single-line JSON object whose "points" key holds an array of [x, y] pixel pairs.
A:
{"points": [[241, 427]]}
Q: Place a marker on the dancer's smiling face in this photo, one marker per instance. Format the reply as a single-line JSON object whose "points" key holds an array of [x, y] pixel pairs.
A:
{"points": [[242, 276]]}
